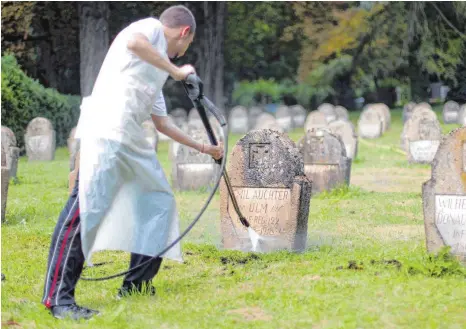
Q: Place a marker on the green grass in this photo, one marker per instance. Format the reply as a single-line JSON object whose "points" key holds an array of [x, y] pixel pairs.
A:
{"points": [[366, 266]]}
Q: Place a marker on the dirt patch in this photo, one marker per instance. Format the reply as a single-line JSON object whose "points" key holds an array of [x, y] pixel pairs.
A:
{"points": [[251, 314]]}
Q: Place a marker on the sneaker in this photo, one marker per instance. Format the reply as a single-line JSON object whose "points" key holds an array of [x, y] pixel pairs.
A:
{"points": [[125, 291], [73, 312]]}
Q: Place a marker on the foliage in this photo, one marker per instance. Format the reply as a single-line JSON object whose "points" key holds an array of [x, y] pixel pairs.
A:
{"points": [[23, 99]]}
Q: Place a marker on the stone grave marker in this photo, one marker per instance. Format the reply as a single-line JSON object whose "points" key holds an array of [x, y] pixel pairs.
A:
{"points": [[342, 113], [40, 140], [192, 170], [179, 116], [370, 124], [410, 126], [298, 113], [328, 110], [267, 175], [284, 119], [267, 121], [253, 114], [347, 133], [325, 160], [423, 137], [315, 120], [150, 133], [238, 120], [407, 111], [444, 196], [11, 150], [424, 105], [450, 112], [383, 112]]}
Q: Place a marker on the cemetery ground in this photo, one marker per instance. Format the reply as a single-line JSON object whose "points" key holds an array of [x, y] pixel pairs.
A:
{"points": [[366, 265]]}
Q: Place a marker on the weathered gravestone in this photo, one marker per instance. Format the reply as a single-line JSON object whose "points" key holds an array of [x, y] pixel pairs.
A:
{"points": [[462, 115], [423, 136], [238, 120], [347, 133], [328, 110], [192, 170], [11, 151], [267, 175], [424, 105], [5, 182], [253, 114], [315, 120], [411, 127], [383, 111], [450, 112], [325, 160], [407, 111], [370, 124], [267, 121], [342, 113], [298, 114], [150, 133], [444, 196], [179, 116], [40, 140], [284, 119]]}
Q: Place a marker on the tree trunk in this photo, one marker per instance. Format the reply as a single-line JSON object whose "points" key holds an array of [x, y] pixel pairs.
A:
{"points": [[93, 41]]}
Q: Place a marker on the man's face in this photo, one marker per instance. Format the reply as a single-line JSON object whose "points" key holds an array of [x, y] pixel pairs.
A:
{"points": [[182, 44]]}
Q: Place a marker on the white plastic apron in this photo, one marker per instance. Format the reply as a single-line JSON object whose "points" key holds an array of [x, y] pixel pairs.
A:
{"points": [[126, 202]]}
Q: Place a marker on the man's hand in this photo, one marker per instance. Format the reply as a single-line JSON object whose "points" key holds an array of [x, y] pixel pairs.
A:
{"points": [[215, 152], [182, 72]]}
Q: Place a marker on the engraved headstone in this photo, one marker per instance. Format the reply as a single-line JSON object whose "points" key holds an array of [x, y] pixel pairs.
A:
{"points": [[444, 196], [238, 120], [253, 114], [370, 124], [40, 140], [267, 175], [411, 127], [407, 111], [299, 116], [192, 170], [150, 133], [423, 140], [315, 120], [342, 113], [284, 119], [267, 121], [450, 112], [328, 110], [11, 151], [347, 133], [325, 160]]}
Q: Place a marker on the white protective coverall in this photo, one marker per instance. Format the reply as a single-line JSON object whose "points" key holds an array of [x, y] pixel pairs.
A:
{"points": [[126, 202]]}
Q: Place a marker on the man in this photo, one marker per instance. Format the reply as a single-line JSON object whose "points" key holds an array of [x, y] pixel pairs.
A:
{"points": [[122, 199]]}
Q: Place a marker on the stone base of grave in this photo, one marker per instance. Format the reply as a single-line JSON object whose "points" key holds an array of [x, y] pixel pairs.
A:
{"points": [[283, 221], [5, 183]]}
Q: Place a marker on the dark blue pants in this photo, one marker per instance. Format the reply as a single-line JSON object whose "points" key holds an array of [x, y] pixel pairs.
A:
{"points": [[66, 259]]}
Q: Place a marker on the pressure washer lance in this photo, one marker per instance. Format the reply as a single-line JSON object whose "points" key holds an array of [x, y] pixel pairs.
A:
{"points": [[194, 89]]}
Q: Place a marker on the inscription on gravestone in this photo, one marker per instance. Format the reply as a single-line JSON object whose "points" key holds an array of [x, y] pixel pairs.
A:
{"points": [[450, 219], [423, 151]]}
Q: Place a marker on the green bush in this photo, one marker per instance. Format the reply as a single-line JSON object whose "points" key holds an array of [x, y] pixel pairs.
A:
{"points": [[23, 99]]}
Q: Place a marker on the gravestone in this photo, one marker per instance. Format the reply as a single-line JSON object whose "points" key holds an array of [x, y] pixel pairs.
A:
{"points": [[450, 112], [298, 113], [40, 140], [325, 160], [342, 113], [347, 133], [11, 151], [267, 121], [150, 133], [407, 111], [238, 120], [412, 125], [424, 105], [444, 196], [383, 112], [284, 119], [192, 170], [328, 110], [315, 120], [370, 124], [253, 114], [462, 115], [267, 175], [423, 139], [179, 116]]}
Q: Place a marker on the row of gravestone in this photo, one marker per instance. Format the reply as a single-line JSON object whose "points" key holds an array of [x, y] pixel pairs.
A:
{"points": [[452, 112], [374, 120]]}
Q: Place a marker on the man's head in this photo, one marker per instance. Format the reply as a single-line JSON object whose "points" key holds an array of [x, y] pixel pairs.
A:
{"points": [[180, 27]]}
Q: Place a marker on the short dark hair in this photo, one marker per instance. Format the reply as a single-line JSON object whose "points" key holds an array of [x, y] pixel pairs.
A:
{"points": [[176, 16]]}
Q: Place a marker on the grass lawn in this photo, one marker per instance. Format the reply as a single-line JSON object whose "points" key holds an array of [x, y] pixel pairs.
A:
{"points": [[366, 264]]}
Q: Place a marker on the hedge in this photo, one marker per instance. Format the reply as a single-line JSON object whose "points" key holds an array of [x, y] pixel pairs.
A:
{"points": [[23, 99]]}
